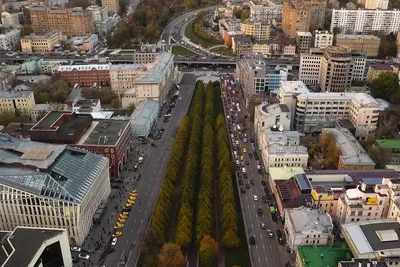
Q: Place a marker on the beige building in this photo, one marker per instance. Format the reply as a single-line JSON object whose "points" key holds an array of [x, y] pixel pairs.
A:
{"points": [[374, 4], [323, 39], [368, 44], [303, 42], [375, 70], [70, 21], [295, 17], [40, 43], [20, 98], [258, 29], [111, 5]]}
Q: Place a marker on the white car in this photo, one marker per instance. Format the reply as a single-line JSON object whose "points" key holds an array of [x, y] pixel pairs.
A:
{"points": [[237, 142], [114, 241], [244, 170], [255, 197], [77, 249], [237, 162], [258, 167], [84, 256]]}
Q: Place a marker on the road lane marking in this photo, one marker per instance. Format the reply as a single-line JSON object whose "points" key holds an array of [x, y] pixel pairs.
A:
{"points": [[152, 194], [135, 220], [131, 230], [141, 221], [145, 211], [145, 194]]}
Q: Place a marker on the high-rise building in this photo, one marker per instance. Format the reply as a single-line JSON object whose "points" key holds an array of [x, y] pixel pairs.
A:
{"points": [[323, 39], [368, 44], [295, 17], [70, 21], [332, 68], [258, 29], [265, 10], [374, 4], [303, 42], [111, 5], [365, 21], [317, 13]]}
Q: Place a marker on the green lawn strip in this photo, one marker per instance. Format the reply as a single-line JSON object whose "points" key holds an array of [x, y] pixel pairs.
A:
{"points": [[178, 50]]}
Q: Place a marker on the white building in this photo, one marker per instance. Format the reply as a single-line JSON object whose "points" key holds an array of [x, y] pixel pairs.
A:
{"points": [[102, 22], [365, 21], [9, 39], [10, 19], [265, 10], [277, 155], [374, 4], [51, 186], [87, 106], [304, 226], [323, 39], [50, 66], [29, 246], [332, 69]]}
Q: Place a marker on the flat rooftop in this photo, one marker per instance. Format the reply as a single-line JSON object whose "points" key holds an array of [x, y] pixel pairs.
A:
{"points": [[40, 36], [275, 109], [355, 37], [352, 153], [104, 132], [284, 173], [306, 219], [52, 122], [294, 87], [318, 256], [275, 137], [306, 34], [388, 143], [278, 149]]}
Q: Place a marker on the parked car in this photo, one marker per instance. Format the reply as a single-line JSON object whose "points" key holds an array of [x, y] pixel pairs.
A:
{"points": [[264, 199], [259, 171], [245, 175], [252, 182], [243, 190], [84, 256], [252, 240], [114, 241], [240, 181], [263, 183], [262, 225], [77, 249], [259, 212], [154, 145], [270, 234], [247, 186]]}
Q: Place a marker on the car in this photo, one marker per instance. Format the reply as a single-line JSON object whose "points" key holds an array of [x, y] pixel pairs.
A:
{"points": [[245, 175], [264, 199], [266, 190], [270, 233], [153, 144], [237, 162], [77, 249], [262, 225], [259, 171], [259, 212], [116, 186], [114, 241], [121, 220], [124, 213], [252, 240], [247, 162], [242, 158], [240, 181], [256, 156], [278, 233], [244, 150], [255, 197], [117, 234], [250, 155], [87, 251], [258, 166], [162, 130], [165, 120], [252, 182], [247, 186], [237, 142], [134, 191], [242, 164], [119, 226], [239, 174], [263, 183], [244, 170], [243, 190], [255, 153], [128, 205], [75, 259], [84, 256], [132, 198]]}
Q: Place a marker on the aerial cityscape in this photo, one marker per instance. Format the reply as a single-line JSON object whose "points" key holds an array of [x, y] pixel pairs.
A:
{"points": [[182, 133]]}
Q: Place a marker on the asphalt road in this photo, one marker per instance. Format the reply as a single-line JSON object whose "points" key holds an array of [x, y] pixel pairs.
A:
{"points": [[152, 176], [266, 251]]}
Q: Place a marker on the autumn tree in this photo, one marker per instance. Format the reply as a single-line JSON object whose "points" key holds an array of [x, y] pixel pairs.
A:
{"points": [[208, 252], [26, 30], [171, 256], [386, 86]]}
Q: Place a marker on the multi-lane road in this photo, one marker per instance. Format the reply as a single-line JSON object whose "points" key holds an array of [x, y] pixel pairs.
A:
{"points": [[266, 251]]}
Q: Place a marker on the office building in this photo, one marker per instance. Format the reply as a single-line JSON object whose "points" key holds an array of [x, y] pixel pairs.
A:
{"points": [[377, 240], [323, 39], [9, 38], [393, 148], [30, 246], [332, 69], [377, 69], [85, 74], [70, 21], [277, 155], [303, 42], [10, 19], [110, 138], [136, 83], [51, 186], [41, 43], [365, 21], [368, 44], [374, 4], [103, 23], [295, 17], [19, 99], [268, 10], [111, 5], [258, 29], [352, 155], [314, 255], [304, 226]]}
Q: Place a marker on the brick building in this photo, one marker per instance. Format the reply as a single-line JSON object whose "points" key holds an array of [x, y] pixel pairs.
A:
{"points": [[110, 138], [85, 74]]}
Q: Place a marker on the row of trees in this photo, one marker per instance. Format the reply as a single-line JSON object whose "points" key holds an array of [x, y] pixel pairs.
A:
{"points": [[226, 169], [184, 231], [198, 28]]}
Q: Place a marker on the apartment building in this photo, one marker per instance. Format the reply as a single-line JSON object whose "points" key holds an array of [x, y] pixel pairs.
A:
{"points": [[85, 74], [266, 9], [9, 38], [144, 57], [332, 69], [365, 21], [393, 147], [303, 42], [267, 116], [377, 69], [21, 98], [151, 81], [111, 5], [241, 44], [70, 21], [51, 186], [317, 14], [374, 4], [368, 44], [258, 29], [277, 155], [41, 43], [228, 25], [352, 155], [323, 39], [305, 226], [295, 17]]}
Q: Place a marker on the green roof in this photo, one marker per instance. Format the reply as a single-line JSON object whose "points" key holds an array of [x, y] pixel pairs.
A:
{"points": [[388, 143], [323, 256]]}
